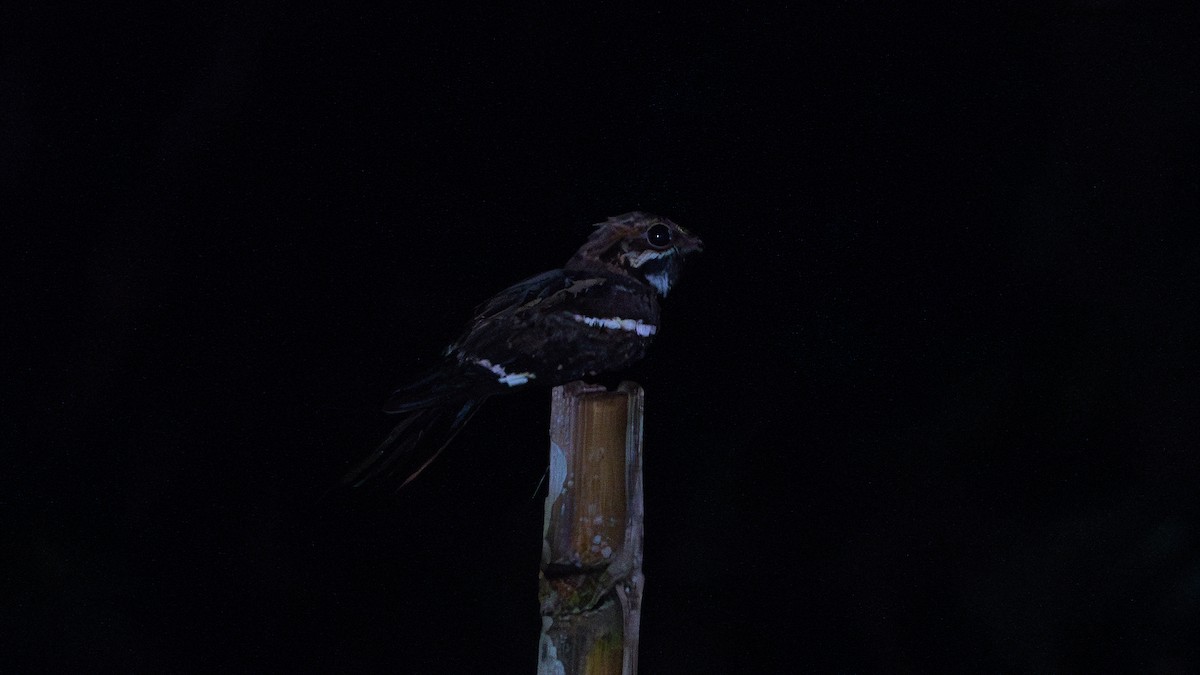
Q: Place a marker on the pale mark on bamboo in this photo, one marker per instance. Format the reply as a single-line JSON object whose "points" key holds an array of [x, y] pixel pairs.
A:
{"points": [[548, 663]]}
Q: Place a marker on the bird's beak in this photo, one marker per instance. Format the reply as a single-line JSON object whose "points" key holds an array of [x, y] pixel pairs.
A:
{"points": [[689, 243]]}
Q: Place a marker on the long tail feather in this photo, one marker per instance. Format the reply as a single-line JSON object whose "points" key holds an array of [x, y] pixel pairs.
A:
{"points": [[442, 386], [414, 443]]}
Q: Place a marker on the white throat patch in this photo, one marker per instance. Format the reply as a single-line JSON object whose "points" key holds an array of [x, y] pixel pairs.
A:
{"points": [[661, 282]]}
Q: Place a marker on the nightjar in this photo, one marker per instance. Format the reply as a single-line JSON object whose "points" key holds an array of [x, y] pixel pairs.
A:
{"points": [[597, 314]]}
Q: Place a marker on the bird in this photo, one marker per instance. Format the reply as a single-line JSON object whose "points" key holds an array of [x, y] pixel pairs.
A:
{"points": [[596, 314]]}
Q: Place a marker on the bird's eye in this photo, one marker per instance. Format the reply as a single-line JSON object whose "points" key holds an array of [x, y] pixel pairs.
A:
{"points": [[659, 236]]}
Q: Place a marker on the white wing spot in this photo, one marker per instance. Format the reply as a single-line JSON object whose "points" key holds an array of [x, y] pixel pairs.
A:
{"points": [[505, 377], [617, 323]]}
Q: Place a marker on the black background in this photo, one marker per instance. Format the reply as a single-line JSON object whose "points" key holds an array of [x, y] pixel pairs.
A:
{"points": [[925, 401]]}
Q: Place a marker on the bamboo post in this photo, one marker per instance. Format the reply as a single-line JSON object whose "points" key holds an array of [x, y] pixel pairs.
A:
{"points": [[590, 583]]}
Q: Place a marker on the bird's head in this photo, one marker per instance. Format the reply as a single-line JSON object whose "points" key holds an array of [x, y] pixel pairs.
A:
{"points": [[647, 247]]}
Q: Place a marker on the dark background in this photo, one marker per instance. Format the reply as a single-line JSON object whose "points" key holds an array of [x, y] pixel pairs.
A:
{"points": [[926, 401]]}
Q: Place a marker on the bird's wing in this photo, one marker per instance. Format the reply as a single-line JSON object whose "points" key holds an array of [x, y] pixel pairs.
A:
{"points": [[495, 322], [512, 324], [532, 290]]}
